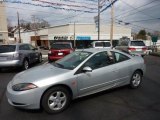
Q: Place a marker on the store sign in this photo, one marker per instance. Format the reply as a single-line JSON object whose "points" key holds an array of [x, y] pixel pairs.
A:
{"points": [[60, 37], [83, 38]]}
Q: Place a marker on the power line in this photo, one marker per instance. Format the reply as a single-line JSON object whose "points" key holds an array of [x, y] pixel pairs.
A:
{"points": [[138, 11], [62, 4], [50, 6], [136, 8], [109, 6], [135, 25], [144, 20], [72, 1]]}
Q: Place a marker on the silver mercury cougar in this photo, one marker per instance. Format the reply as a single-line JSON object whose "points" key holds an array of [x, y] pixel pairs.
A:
{"points": [[52, 86]]}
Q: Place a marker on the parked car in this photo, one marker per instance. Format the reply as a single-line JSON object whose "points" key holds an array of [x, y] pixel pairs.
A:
{"points": [[101, 44], [19, 55], [78, 74], [133, 47], [59, 50]]}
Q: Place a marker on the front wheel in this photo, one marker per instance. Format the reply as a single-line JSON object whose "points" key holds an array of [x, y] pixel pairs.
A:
{"points": [[136, 79], [56, 100]]}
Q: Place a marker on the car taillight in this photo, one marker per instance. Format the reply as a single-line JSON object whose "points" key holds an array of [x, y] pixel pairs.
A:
{"points": [[16, 55], [131, 49], [144, 49]]}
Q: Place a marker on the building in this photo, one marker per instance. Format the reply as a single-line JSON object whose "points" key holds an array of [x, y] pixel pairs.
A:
{"points": [[78, 31], [3, 25]]}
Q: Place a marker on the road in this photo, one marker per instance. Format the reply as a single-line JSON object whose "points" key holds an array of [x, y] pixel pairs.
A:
{"points": [[118, 104]]}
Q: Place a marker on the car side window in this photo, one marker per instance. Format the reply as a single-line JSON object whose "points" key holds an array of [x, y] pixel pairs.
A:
{"points": [[30, 47], [21, 47], [99, 60], [24, 47], [119, 57]]}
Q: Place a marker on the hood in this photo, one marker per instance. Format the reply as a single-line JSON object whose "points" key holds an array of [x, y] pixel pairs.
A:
{"points": [[38, 73]]}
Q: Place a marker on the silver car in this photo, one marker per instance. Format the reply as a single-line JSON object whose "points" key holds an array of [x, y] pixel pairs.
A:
{"points": [[52, 86], [19, 55]]}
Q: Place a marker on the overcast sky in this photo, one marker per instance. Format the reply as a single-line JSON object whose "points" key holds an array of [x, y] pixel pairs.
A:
{"points": [[140, 14]]}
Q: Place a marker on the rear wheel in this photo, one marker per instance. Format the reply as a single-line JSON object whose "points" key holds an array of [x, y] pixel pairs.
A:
{"points": [[56, 100], [136, 79], [25, 65]]}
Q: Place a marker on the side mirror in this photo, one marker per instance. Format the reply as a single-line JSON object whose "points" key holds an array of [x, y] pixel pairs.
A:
{"points": [[87, 69]]}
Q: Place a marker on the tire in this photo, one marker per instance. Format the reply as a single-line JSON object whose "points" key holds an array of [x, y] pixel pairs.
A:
{"points": [[56, 100], [25, 65], [40, 58], [136, 79]]}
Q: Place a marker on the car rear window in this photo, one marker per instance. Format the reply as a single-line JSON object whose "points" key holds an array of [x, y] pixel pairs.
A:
{"points": [[107, 44], [102, 44], [7, 48], [137, 43], [61, 46]]}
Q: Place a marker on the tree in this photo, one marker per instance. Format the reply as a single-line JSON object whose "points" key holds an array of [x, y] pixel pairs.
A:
{"points": [[142, 35]]}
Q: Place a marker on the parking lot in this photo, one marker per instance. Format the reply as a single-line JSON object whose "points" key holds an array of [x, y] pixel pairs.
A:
{"points": [[117, 104]]}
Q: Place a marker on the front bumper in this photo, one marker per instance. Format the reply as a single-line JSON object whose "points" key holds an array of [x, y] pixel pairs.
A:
{"points": [[29, 99], [11, 63]]}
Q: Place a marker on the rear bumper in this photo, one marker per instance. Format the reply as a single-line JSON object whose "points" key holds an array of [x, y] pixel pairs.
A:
{"points": [[54, 58], [11, 63], [142, 53]]}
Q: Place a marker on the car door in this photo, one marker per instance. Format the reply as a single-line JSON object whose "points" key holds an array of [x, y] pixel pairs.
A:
{"points": [[103, 75], [122, 63]]}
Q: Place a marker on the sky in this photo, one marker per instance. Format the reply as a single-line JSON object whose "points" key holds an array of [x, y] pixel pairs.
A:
{"points": [[137, 14]]}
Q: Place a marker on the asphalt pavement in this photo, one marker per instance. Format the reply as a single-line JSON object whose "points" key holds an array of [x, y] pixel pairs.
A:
{"points": [[117, 104]]}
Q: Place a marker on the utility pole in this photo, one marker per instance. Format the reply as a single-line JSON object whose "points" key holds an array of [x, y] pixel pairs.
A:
{"points": [[112, 21], [74, 35], [19, 32], [34, 22], [98, 19]]}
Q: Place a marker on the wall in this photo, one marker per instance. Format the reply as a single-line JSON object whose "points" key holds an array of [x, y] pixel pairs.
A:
{"points": [[3, 24]]}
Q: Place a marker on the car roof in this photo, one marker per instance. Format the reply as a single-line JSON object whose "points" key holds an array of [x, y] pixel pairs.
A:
{"points": [[95, 50], [100, 41], [136, 40], [62, 42]]}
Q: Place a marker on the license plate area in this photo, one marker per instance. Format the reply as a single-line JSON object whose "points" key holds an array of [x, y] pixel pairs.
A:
{"points": [[60, 54], [138, 49], [3, 58]]}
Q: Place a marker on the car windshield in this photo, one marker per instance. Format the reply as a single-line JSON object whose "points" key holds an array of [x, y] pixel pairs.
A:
{"points": [[72, 60], [61, 46], [7, 48], [137, 43]]}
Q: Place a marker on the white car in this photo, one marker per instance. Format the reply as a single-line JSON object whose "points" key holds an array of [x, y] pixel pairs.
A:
{"points": [[101, 44]]}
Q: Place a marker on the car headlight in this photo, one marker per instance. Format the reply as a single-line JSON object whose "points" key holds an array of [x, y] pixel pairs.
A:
{"points": [[23, 86]]}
